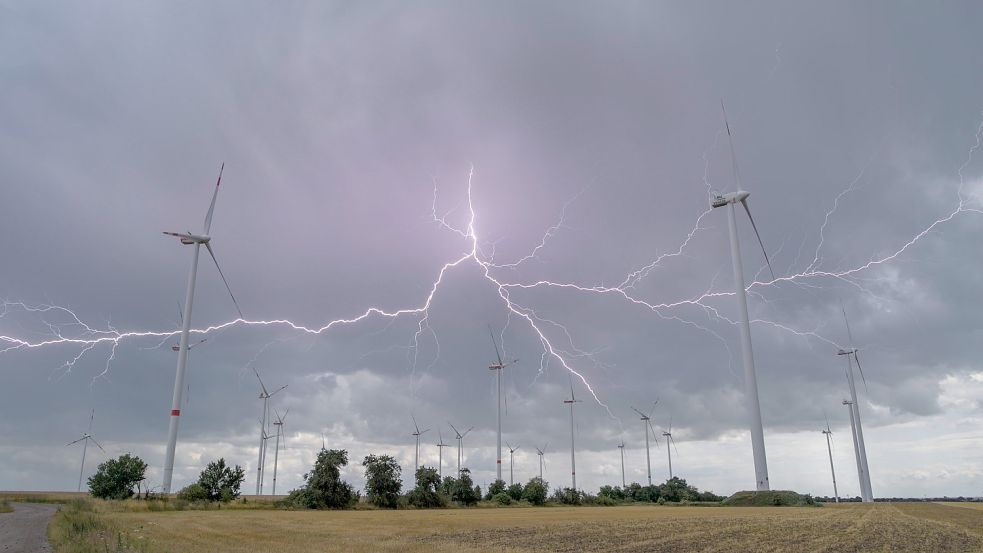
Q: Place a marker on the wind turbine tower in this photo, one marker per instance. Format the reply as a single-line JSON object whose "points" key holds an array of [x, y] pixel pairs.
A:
{"points": [[668, 436], [195, 240], [621, 447], [512, 451], [573, 457], [440, 454], [647, 423], [278, 423], [499, 367], [416, 459], [264, 434], [829, 448], [750, 379], [541, 452], [860, 449], [85, 438]]}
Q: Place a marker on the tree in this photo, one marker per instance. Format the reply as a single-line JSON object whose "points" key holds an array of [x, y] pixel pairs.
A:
{"points": [[536, 491], [116, 478], [221, 482], [463, 492], [382, 480], [427, 493], [323, 487], [515, 492], [567, 496], [496, 487], [676, 489]]}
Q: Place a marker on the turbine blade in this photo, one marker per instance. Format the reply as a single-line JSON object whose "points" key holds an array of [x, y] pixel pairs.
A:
{"points": [[655, 435], [827, 420], [673, 442], [76, 441], [762, 244], [467, 431], [495, 343], [211, 208], [654, 404], [261, 385], [862, 378], [208, 246], [730, 140], [670, 424], [92, 415], [414, 424], [278, 389], [637, 411], [97, 443], [849, 334], [456, 431]]}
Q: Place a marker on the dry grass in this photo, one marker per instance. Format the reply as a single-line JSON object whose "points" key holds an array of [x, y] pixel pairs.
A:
{"points": [[879, 527]]}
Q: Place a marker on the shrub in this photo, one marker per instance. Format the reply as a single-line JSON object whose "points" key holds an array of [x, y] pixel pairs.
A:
{"points": [[515, 492], [567, 496], [193, 492], [116, 478], [536, 491], [427, 494], [662, 501], [496, 487], [220, 482], [382, 480], [463, 492], [502, 498], [323, 487]]}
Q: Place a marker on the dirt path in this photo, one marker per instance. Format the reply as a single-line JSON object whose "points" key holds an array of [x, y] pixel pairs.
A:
{"points": [[25, 529]]}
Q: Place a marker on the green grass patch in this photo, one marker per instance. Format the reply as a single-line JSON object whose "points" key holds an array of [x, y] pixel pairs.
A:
{"points": [[5, 506], [774, 498], [79, 527]]}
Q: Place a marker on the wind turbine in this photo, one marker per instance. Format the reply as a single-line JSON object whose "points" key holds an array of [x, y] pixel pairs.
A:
{"points": [[460, 446], [276, 450], [860, 449], [182, 359], [264, 395], [829, 447], [856, 448], [499, 367], [417, 434], [440, 455], [573, 458], [541, 453], [621, 447], [750, 379], [85, 438], [668, 436], [512, 451], [647, 423]]}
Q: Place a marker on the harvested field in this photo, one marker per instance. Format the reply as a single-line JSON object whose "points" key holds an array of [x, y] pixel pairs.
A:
{"points": [[855, 527]]}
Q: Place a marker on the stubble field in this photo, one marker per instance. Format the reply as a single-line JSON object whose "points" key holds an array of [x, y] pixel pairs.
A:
{"points": [[850, 527]]}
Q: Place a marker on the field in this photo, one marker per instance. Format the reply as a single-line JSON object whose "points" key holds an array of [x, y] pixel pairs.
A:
{"points": [[848, 527]]}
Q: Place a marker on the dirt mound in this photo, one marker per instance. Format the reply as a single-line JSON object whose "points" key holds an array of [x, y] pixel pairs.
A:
{"points": [[775, 498]]}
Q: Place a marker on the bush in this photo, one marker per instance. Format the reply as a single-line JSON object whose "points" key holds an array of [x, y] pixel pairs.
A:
{"points": [[536, 491], [502, 498], [323, 487], [193, 492], [496, 487], [567, 496], [116, 478], [463, 492], [382, 480], [662, 501], [515, 492], [220, 482], [427, 493]]}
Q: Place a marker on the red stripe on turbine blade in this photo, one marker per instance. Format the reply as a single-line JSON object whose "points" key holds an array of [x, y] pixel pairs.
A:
{"points": [[175, 412]]}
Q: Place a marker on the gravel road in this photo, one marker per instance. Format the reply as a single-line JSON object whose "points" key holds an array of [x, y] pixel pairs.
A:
{"points": [[25, 529]]}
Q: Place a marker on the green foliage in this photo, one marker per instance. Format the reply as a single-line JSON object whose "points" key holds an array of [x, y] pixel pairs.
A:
{"points": [[427, 493], [116, 478], [496, 487], [323, 487], [193, 492], [515, 492], [783, 498], [502, 498], [615, 493], [464, 491], [567, 496], [382, 480], [221, 482], [676, 489], [536, 491]]}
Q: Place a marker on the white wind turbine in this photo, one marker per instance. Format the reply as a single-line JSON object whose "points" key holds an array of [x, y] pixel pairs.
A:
{"points": [[668, 436], [182, 360], [417, 434], [264, 435], [858, 432], [647, 423], [750, 379], [440, 454], [621, 447], [460, 446], [829, 447], [85, 438], [512, 451], [541, 452], [278, 423], [499, 367], [573, 457]]}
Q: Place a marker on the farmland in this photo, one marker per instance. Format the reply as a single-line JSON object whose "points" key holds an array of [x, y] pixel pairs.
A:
{"points": [[848, 527]]}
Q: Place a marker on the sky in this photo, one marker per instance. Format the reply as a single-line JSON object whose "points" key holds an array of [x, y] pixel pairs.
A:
{"points": [[542, 169]]}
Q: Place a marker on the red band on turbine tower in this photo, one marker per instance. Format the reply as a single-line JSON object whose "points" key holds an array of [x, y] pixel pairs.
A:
{"points": [[499, 461], [175, 412]]}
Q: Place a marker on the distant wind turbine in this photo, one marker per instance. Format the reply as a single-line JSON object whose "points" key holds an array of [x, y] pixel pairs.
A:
{"points": [[278, 423], [440, 454], [668, 436], [829, 448], [621, 447], [264, 435], [573, 457], [460, 446], [499, 367], [512, 451], [417, 434], [541, 452], [647, 423], [182, 360], [750, 379], [85, 438], [859, 448]]}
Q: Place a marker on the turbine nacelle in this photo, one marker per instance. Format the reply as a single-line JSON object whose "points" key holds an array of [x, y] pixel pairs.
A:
{"points": [[730, 198], [187, 238], [842, 351]]}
